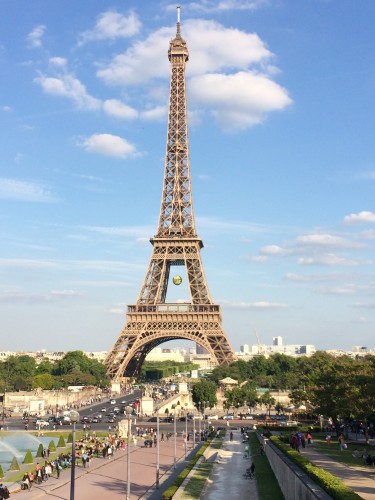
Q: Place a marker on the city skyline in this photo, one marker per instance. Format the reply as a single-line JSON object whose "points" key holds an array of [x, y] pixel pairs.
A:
{"points": [[281, 112]]}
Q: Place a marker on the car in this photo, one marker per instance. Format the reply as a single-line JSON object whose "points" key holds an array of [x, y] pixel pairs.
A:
{"points": [[228, 417], [85, 419], [113, 401], [123, 402], [41, 423], [104, 409], [64, 421], [110, 420], [212, 417], [95, 419], [198, 417], [290, 423]]}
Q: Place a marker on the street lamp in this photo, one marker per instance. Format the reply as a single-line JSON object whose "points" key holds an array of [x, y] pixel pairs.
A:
{"points": [[186, 429], [74, 417], [128, 411], [174, 438], [157, 450]]}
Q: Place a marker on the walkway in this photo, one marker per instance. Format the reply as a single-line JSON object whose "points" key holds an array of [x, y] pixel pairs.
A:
{"points": [[108, 476], [226, 477], [359, 479]]}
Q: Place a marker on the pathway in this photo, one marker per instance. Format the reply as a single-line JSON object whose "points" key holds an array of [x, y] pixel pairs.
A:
{"points": [[226, 477], [359, 479]]}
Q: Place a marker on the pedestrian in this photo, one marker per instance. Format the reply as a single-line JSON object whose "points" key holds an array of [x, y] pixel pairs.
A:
{"points": [[328, 439], [162, 436], [4, 492], [309, 438], [231, 436], [342, 444]]}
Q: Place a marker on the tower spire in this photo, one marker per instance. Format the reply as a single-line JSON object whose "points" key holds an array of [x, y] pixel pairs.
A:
{"points": [[178, 20]]}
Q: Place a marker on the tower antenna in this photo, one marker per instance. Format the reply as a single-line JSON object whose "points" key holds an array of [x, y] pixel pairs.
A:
{"points": [[178, 19]]}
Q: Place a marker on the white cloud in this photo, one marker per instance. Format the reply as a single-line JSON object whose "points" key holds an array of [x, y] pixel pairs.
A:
{"points": [[141, 63], [253, 305], [272, 250], [327, 260], [156, 113], [112, 25], [109, 145], [58, 61], [364, 216], [27, 264], [118, 109], [68, 86], [34, 38], [6, 109], [23, 297], [368, 235], [13, 189], [239, 100], [365, 305], [208, 6], [326, 240]]}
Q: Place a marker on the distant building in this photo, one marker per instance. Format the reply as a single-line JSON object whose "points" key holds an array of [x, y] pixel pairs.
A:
{"points": [[276, 347]]}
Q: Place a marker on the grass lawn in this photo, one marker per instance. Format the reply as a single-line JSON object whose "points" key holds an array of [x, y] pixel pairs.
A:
{"points": [[345, 456], [14, 476], [196, 484], [267, 484]]}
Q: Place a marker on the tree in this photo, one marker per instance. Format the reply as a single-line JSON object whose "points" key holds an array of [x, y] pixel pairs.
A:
{"points": [[44, 380], [268, 401], [204, 394], [235, 397]]}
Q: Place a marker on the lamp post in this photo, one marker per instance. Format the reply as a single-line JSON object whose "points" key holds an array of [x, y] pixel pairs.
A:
{"points": [[199, 426], [193, 432], [157, 451], [128, 411], [186, 429], [74, 417], [174, 439]]}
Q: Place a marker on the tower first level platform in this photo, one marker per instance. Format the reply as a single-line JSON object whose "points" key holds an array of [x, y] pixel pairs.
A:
{"points": [[148, 326]]}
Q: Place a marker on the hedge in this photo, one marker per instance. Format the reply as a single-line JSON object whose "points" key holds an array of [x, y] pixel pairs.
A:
{"points": [[28, 458], [330, 483]]}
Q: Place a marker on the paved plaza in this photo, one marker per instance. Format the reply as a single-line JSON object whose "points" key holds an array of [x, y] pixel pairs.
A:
{"points": [[108, 476]]}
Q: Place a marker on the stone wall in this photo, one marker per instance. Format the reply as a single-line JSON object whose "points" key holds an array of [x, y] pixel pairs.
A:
{"points": [[294, 483], [42, 402]]}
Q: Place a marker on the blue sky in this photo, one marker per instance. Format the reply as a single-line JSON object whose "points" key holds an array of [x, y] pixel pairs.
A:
{"points": [[281, 127]]}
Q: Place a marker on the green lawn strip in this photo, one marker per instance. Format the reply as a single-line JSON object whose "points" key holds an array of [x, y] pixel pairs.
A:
{"points": [[171, 490], [196, 484], [345, 456], [267, 484], [330, 483]]}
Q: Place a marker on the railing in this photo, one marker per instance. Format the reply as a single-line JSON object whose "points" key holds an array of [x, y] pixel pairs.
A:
{"points": [[165, 308]]}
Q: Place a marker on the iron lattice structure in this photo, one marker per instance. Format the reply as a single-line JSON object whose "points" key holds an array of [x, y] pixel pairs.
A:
{"points": [[152, 321]]}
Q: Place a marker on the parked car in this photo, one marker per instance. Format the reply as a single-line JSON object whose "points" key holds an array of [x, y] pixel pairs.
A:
{"points": [[212, 417], [113, 401], [228, 417]]}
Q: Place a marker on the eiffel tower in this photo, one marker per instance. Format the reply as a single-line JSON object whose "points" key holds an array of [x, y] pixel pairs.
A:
{"points": [[152, 320]]}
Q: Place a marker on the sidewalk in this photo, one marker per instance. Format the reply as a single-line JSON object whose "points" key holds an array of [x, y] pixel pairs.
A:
{"points": [[226, 477], [359, 479]]}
